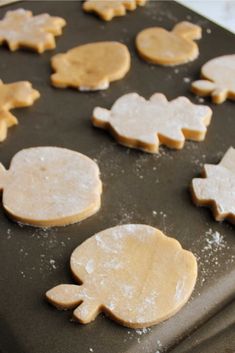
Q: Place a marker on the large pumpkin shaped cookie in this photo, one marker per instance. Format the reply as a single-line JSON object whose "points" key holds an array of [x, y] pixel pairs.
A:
{"points": [[50, 186], [133, 273]]}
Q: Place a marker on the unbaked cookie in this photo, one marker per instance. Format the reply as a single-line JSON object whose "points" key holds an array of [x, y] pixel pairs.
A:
{"points": [[145, 125], [133, 273], [107, 9], [19, 28], [91, 66], [218, 188], [159, 46], [50, 186], [14, 95], [219, 79]]}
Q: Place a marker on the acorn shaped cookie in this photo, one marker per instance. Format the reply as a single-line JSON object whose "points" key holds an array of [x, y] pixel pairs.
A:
{"points": [[50, 186], [133, 273]]}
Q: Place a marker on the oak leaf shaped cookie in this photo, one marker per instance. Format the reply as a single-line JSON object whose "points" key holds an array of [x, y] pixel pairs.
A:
{"points": [[19, 28], [133, 273], [91, 67], [50, 186], [145, 125], [107, 9], [218, 188], [159, 46], [219, 79], [14, 95]]}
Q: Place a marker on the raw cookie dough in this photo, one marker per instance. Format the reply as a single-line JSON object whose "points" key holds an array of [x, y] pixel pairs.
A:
{"points": [[219, 79], [14, 95], [133, 273], [159, 46], [50, 186], [19, 28], [107, 9], [91, 66], [136, 122], [218, 188]]}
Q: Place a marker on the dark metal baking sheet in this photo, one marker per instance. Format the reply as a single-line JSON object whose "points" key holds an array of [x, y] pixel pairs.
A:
{"points": [[138, 187]]}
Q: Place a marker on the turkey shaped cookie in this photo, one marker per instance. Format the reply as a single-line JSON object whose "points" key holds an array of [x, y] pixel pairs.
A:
{"points": [[133, 273], [50, 186], [219, 79], [91, 67], [159, 46], [138, 123], [218, 188]]}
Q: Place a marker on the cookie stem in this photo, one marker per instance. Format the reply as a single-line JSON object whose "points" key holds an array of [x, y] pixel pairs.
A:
{"points": [[87, 311]]}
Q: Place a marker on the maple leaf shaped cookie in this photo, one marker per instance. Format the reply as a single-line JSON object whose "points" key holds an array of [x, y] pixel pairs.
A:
{"points": [[107, 9], [19, 28], [218, 188], [14, 95], [133, 273], [145, 125], [218, 79]]}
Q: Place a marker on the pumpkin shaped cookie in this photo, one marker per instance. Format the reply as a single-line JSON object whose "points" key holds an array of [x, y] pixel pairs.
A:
{"points": [[50, 186], [133, 273], [159, 46]]}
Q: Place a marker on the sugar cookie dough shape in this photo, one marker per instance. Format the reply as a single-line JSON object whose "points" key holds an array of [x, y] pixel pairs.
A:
{"points": [[14, 95], [159, 46], [217, 189], [50, 186], [91, 66], [107, 9], [136, 122], [19, 28], [218, 79], [133, 273]]}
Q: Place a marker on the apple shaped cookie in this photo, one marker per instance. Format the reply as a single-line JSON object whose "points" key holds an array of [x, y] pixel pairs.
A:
{"points": [[107, 9], [219, 79], [91, 67], [145, 125], [19, 28], [50, 186], [133, 273], [218, 188], [159, 46], [14, 95]]}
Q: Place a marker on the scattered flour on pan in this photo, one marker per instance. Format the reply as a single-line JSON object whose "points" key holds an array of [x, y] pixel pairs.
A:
{"points": [[214, 253], [140, 335]]}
